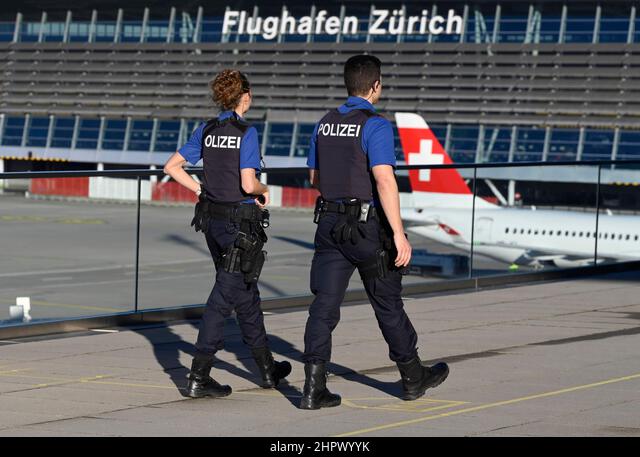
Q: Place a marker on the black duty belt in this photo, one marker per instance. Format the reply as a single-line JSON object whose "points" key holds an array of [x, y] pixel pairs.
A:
{"points": [[236, 212], [360, 209], [244, 214]]}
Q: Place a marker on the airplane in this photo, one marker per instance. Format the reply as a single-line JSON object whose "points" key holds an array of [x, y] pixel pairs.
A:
{"points": [[517, 236]]}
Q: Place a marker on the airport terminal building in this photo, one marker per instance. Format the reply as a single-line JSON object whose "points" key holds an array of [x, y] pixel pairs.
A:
{"points": [[497, 81]]}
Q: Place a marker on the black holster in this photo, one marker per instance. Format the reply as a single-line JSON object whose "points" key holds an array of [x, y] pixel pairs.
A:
{"points": [[383, 261], [245, 256], [376, 267]]}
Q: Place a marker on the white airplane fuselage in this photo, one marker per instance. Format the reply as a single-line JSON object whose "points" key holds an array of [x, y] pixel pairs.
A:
{"points": [[530, 237]]}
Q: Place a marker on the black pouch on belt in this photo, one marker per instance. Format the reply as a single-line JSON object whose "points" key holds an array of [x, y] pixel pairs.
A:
{"points": [[231, 259], [255, 267]]}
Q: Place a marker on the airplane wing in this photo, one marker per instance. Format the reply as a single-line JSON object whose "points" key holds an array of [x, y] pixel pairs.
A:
{"points": [[416, 218]]}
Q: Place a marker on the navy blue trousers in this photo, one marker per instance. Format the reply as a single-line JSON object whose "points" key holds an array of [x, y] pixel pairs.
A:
{"points": [[331, 268], [230, 293]]}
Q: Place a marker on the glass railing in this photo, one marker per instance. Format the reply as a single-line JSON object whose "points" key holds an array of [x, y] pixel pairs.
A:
{"points": [[95, 243]]}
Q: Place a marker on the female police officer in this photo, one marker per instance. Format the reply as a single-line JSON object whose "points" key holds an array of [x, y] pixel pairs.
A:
{"points": [[229, 213]]}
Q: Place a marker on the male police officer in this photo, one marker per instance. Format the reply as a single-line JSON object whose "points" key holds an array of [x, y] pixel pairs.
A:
{"points": [[351, 161], [231, 218]]}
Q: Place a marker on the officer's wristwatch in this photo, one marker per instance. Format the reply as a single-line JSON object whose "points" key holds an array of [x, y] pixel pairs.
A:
{"points": [[198, 192]]}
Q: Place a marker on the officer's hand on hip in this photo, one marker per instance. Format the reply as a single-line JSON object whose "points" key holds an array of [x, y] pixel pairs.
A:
{"points": [[263, 200], [404, 250]]}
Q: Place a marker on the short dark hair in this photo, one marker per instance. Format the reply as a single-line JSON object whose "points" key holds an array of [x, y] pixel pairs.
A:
{"points": [[360, 73]]}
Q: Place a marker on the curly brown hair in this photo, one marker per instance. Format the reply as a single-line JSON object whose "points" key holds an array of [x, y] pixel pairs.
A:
{"points": [[227, 88]]}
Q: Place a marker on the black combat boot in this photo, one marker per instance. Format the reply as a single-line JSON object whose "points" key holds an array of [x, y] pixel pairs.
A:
{"points": [[417, 378], [315, 394], [200, 383], [272, 372]]}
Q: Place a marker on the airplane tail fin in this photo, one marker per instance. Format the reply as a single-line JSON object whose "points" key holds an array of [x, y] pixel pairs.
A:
{"points": [[436, 187]]}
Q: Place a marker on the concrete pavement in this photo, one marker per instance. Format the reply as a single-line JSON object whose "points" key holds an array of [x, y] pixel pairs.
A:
{"points": [[546, 359]]}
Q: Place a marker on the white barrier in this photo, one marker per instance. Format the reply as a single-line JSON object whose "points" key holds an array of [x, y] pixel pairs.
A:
{"points": [[275, 195], [118, 188]]}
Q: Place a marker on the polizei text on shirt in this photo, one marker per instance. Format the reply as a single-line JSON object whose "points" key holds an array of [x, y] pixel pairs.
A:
{"points": [[339, 130], [222, 141]]}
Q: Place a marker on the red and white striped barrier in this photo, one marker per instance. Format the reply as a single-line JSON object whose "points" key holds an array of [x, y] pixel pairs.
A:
{"points": [[69, 187], [127, 190]]}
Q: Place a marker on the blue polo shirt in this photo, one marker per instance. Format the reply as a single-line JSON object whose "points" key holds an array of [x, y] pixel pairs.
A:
{"points": [[249, 147], [377, 136]]}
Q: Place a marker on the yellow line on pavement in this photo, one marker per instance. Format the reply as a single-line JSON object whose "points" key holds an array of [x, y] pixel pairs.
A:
{"points": [[489, 405], [404, 407], [59, 381], [128, 384], [8, 372], [69, 305], [59, 220], [92, 380], [275, 394], [427, 400]]}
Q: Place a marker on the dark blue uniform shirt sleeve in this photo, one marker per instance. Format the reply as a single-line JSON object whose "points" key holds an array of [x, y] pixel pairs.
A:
{"points": [[311, 159], [377, 142], [250, 150], [192, 149]]}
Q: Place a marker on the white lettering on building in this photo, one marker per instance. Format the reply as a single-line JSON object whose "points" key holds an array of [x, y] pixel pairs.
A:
{"points": [[383, 22]]}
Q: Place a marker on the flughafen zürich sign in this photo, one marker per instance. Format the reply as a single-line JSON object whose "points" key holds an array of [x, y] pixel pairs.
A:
{"points": [[382, 22]]}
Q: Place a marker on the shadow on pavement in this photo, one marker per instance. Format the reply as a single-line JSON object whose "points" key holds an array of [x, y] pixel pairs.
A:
{"points": [[168, 346]]}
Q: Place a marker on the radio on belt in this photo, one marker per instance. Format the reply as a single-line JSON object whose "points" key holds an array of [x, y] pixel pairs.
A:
{"points": [[364, 211]]}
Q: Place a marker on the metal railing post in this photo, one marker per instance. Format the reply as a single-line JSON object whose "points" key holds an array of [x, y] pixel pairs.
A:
{"points": [[632, 25], [529, 33], [66, 36], [25, 131], [52, 120], [465, 18], [595, 254], [171, 27], [615, 146], [117, 33], [92, 27], [434, 11], [496, 24], [43, 23], [546, 144], [473, 219], [563, 24], [145, 23], [197, 32], [17, 31], [137, 246], [596, 25]]}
